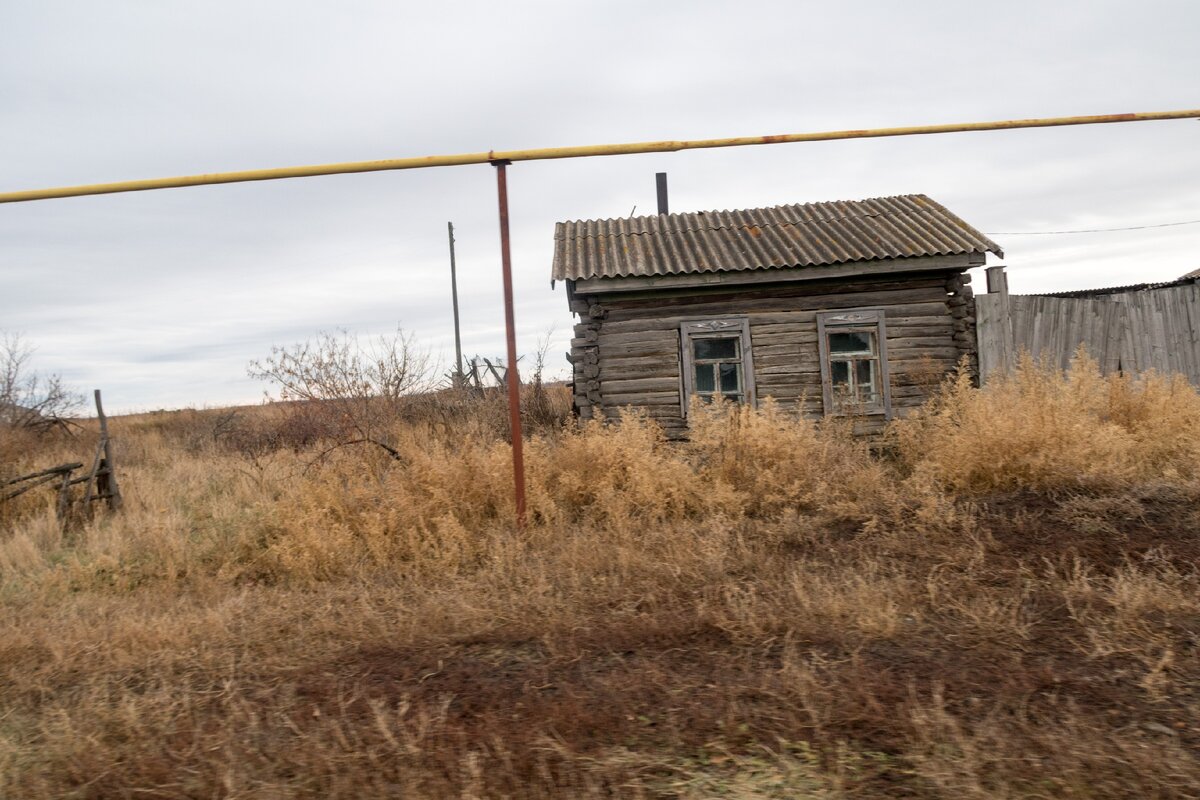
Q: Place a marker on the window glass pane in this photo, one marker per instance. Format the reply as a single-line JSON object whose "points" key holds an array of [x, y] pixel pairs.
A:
{"points": [[866, 380], [715, 348], [704, 378], [851, 342], [840, 372], [730, 377], [733, 396]]}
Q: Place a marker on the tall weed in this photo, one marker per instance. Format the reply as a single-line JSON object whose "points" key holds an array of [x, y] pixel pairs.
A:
{"points": [[1043, 429]]}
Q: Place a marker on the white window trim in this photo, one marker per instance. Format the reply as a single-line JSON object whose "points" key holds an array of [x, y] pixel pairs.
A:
{"points": [[708, 327], [854, 318]]}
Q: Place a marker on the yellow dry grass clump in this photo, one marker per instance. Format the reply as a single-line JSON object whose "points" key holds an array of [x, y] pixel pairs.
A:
{"points": [[997, 599], [1040, 429]]}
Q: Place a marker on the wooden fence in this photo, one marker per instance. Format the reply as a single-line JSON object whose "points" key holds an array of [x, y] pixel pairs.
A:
{"points": [[1129, 332]]}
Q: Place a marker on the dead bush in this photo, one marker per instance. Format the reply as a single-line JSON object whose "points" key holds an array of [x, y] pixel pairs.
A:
{"points": [[358, 387], [1047, 430], [30, 400]]}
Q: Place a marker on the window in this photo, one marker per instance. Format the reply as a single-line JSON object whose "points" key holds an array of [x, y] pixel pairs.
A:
{"points": [[854, 372], [716, 360]]}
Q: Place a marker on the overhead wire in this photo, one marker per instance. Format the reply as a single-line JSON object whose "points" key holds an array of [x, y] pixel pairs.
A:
{"points": [[1092, 230]]}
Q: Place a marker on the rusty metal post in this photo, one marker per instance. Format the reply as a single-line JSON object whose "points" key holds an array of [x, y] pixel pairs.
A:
{"points": [[511, 375]]}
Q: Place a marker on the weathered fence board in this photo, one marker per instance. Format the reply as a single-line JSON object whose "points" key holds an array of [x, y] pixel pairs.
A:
{"points": [[1129, 332]]}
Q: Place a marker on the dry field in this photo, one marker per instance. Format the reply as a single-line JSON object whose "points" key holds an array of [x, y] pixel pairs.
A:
{"points": [[1002, 602]]}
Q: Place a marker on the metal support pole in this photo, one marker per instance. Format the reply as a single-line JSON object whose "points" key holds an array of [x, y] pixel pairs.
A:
{"points": [[510, 332], [458, 362]]}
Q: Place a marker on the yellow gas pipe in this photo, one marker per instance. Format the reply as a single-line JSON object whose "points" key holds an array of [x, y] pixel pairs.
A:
{"points": [[584, 151]]}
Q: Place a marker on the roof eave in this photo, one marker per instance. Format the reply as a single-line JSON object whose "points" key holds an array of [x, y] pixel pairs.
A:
{"points": [[865, 268]]}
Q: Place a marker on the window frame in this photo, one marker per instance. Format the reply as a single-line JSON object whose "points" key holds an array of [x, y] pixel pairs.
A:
{"points": [[715, 328], [848, 320]]}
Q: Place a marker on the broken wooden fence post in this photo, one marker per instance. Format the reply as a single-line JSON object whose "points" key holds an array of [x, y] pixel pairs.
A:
{"points": [[1001, 346], [103, 472]]}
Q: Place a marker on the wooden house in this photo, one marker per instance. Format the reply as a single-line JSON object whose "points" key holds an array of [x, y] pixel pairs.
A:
{"points": [[838, 307]]}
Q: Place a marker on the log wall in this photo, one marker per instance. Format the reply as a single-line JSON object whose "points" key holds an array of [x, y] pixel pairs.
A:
{"points": [[626, 350]]}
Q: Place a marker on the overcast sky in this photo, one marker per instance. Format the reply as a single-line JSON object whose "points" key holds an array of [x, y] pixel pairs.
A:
{"points": [[160, 298]]}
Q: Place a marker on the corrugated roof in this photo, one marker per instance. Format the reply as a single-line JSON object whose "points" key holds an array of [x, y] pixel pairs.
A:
{"points": [[803, 235], [1133, 287]]}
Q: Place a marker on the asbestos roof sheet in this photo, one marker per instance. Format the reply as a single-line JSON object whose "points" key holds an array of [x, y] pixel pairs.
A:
{"points": [[1133, 287], [803, 235]]}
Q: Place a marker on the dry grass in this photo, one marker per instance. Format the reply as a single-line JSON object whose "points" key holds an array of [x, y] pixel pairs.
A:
{"points": [[1004, 605], [1046, 431]]}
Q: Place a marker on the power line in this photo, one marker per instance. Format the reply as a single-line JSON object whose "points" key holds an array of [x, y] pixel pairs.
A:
{"points": [[1092, 230]]}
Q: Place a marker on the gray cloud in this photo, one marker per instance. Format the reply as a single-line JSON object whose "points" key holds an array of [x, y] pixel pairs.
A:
{"points": [[161, 298]]}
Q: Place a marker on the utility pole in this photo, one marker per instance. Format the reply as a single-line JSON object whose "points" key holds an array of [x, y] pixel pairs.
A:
{"points": [[458, 368]]}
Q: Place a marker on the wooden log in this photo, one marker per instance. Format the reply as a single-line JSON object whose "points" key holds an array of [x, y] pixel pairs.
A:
{"points": [[610, 373], [743, 306], [805, 323], [896, 337], [783, 348], [32, 484], [106, 479], [808, 337], [632, 385], [938, 314], [90, 491], [659, 412], [786, 366], [664, 353], [708, 293], [650, 340], [904, 357], [920, 365], [64, 497], [641, 398], [653, 327], [670, 361], [52, 471], [634, 335], [762, 342], [926, 313]]}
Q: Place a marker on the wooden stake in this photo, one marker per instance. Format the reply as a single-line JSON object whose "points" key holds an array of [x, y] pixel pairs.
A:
{"points": [[997, 284], [64, 497], [106, 476]]}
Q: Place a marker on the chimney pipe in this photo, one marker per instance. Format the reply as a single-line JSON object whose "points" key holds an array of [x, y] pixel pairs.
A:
{"points": [[661, 179]]}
